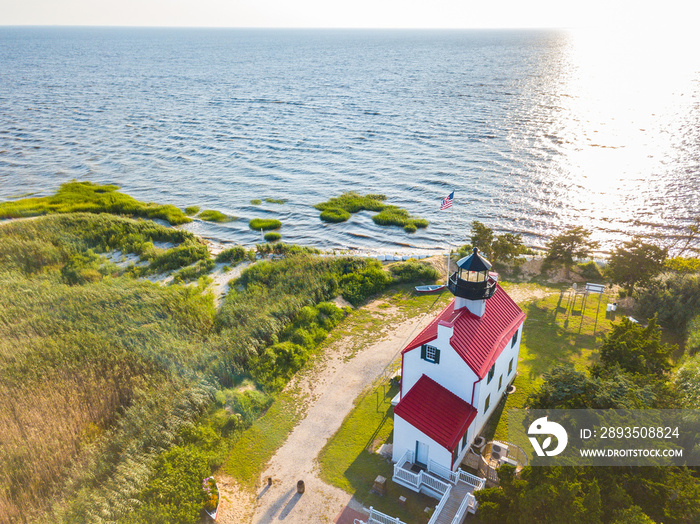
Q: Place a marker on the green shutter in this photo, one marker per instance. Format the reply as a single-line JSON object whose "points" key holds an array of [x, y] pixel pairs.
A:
{"points": [[422, 352], [437, 356]]}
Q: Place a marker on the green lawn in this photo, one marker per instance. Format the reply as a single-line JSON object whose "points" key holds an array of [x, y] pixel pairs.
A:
{"points": [[349, 462], [553, 334]]}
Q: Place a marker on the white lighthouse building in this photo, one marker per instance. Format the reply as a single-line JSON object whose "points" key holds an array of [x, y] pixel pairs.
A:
{"points": [[456, 370]]}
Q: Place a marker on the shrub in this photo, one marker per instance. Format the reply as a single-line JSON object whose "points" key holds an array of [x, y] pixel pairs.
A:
{"points": [[273, 236], [683, 264], [211, 215], [201, 268], [185, 254], [358, 286], [232, 255], [191, 210], [82, 268], [591, 271], [265, 224], [334, 214], [278, 363], [414, 272], [693, 343]]}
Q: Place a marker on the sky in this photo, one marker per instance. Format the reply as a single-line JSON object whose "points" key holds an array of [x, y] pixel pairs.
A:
{"points": [[350, 13]]}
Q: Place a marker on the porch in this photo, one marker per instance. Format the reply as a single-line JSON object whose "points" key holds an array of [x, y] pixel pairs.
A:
{"points": [[453, 489]]}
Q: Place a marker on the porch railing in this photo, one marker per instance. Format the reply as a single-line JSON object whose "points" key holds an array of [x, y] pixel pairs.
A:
{"points": [[472, 480], [469, 501], [440, 506], [377, 517], [428, 479]]}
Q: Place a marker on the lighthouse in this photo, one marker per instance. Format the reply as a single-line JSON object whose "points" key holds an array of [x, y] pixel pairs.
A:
{"points": [[472, 284]]}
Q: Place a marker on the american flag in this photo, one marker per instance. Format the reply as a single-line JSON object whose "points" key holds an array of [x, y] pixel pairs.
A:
{"points": [[447, 201]]}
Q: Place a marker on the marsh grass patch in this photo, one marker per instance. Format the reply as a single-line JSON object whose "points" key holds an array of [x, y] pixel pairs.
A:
{"points": [[87, 197], [266, 224], [211, 215]]}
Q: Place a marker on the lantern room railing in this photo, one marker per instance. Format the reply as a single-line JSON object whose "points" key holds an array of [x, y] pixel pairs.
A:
{"points": [[469, 289]]}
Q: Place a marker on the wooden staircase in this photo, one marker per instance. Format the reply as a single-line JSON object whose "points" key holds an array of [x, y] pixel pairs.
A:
{"points": [[457, 494]]}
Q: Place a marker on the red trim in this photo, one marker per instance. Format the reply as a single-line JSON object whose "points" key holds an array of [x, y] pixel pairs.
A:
{"points": [[436, 412]]}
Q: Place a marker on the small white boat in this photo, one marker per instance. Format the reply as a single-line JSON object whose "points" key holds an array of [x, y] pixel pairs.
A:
{"points": [[430, 289], [207, 485]]}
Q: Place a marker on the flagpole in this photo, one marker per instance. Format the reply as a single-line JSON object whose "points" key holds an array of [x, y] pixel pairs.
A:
{"points": [[448, 202]]}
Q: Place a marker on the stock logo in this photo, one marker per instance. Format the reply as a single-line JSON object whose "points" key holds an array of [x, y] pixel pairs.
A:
{"points": [[542, 426]]}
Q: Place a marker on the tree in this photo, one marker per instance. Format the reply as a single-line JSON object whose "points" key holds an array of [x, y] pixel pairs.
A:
{"points": [[636, 262], [502, 248], [541, 494], [675, 299], [566, 388], [632, 515], [636, 349], [507, 247], [688, 241], [481, 238], [572, 243]]}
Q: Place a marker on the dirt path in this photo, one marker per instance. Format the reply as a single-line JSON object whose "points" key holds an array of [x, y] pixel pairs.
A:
{"points": [[333, 385]]}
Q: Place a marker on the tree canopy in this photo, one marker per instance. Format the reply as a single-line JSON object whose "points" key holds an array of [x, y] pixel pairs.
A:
{"points": [[636, 262], [636, 349], [569, 245], [497, 248]]}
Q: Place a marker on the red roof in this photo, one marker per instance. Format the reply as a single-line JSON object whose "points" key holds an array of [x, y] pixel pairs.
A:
{"points": [[436, 411], [478, 340]]}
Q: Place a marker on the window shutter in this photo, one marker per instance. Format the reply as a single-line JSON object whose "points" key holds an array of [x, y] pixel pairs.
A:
{"points": [[437, 356], [422, 352]]}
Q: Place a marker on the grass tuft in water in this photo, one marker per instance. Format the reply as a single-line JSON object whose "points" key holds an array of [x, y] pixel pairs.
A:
{"points": [[265, 224], [338, 209], [396, 216], [334, 214], [272, 236], [211, 215]]}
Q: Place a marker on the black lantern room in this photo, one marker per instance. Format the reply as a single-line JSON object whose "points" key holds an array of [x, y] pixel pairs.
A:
{"points": [[471, 280]]}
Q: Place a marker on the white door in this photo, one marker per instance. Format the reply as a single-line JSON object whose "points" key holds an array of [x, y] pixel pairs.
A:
{"points": [[422, 453]]}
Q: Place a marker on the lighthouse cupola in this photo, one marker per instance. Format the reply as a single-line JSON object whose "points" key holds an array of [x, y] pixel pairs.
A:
{"points": [[472, 284]]}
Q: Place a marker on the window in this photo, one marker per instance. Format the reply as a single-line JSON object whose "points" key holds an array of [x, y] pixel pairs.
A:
{"points": [[486, 404], [510, 365], [500, 382], [430, 353], [491, 373], [464, 441], [515, 338]]}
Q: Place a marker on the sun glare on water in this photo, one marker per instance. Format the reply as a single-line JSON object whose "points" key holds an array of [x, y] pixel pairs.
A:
{"points": [[624, 99]]}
